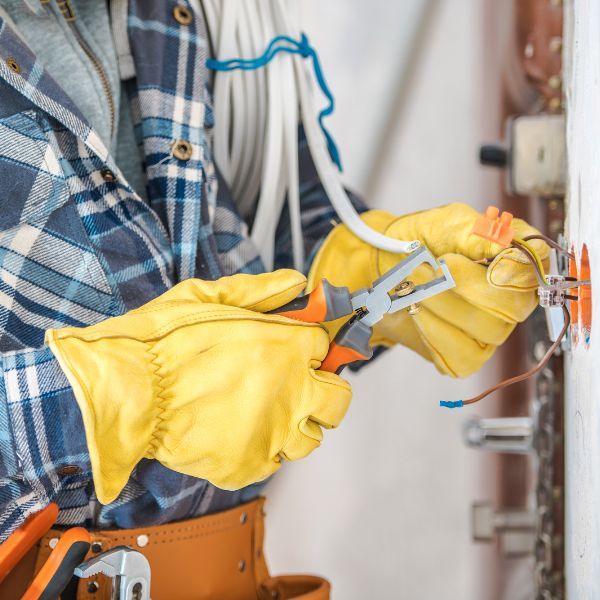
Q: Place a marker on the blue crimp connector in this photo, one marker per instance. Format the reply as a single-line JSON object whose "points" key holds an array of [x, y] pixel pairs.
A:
{"points": [[451, 403]]}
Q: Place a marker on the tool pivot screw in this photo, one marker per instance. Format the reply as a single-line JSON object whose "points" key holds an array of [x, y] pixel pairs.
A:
{"points": [[404, 288], [414, 309]]}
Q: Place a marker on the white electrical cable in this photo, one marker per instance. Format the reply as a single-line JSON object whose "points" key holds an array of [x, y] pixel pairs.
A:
{"points": [[256, 133]]}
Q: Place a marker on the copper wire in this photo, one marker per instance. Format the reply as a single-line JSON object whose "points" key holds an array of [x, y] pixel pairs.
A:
{"points": [[569, 283], [531, 371], [551, 243], [534, 263]]}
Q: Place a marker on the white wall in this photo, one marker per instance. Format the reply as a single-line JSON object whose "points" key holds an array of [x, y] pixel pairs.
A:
{"points": [[382, 508], [582, 399]]}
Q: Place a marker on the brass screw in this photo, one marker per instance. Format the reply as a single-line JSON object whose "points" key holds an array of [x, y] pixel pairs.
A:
{"points": [[554, 204], [555, 44], [555, 82], [404, 288], [554, 104], [414, 309]]}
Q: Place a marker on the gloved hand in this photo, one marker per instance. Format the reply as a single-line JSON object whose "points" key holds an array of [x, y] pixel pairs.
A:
{"points": [[203, 381], [460, 329]]}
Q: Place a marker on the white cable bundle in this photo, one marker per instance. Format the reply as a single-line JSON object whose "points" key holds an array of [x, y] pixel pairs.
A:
{"points": [[256, 132]]}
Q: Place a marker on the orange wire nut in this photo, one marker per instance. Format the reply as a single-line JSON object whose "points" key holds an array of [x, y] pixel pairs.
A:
{"points": [[495, 227]]}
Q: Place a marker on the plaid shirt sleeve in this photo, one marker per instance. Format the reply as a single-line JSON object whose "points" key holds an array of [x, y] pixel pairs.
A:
{"points": [[41, 433]]}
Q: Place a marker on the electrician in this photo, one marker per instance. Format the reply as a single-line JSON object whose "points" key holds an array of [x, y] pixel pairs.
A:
{"points": [[144, 387]]}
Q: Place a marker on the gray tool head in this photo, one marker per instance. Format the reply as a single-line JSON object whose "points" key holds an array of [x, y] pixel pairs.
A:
{"points": [[381, 299], [128, 567]]}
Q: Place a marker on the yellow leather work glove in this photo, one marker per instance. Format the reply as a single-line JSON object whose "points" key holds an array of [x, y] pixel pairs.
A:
{"points": [[460, 329], [202, 381]]}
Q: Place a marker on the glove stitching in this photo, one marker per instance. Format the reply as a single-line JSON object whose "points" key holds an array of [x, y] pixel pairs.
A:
{"points": [[161, 406], [298, 287]]}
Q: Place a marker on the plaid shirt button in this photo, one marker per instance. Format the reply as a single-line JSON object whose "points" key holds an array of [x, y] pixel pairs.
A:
{"points": [[69, 470], [108, 175], [13, 65], [182, 14], [182, 149]]}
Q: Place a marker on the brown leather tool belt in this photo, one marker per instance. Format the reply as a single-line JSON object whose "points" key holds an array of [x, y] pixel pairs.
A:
{"points": [[217, 556]]}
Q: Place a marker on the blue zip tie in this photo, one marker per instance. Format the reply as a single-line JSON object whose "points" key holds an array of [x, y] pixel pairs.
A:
{"points": [[451, 403], [302, 48]]}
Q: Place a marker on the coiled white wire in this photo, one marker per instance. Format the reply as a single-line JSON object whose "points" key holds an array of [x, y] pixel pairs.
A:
{"points": [[256, 132]]}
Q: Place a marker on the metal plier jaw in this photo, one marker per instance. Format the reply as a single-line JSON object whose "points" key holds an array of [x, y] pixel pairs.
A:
{"points": [[371, 304], [129, 569]]}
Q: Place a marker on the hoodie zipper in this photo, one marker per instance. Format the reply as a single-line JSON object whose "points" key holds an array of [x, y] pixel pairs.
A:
{"points": [[68, 13]]}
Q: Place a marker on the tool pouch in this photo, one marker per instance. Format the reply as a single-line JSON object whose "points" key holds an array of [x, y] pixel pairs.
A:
{"points": [[208, 558]]}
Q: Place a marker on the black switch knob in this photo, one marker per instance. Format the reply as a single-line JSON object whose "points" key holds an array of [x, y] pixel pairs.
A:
{"points": [[493, 155]]}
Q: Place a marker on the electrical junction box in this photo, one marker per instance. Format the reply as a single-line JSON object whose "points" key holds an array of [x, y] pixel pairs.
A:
{"points": [[534, 155]]}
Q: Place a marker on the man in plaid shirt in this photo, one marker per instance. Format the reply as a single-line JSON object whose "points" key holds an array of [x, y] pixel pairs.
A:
{"points": [[109, 198]]}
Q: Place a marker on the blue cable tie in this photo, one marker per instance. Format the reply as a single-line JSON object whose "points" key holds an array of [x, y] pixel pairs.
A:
{"points": [[284, 43], [451, 403]]}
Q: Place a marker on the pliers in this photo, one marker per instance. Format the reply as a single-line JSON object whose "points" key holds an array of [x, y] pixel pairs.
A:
{"points": [[390, 293], [58, 570]]}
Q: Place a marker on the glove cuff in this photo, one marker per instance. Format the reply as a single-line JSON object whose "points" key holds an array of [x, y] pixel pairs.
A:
{"points": [[104, 376]]}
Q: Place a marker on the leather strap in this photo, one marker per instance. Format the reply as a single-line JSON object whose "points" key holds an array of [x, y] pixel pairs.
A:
{"points": [[208, 558], [296, 587]]}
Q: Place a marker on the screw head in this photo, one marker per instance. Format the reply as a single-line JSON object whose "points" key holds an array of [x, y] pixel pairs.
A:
{"points": [[414, 309], [404, 288], [142, 540], [555, 82], [556, 44]]}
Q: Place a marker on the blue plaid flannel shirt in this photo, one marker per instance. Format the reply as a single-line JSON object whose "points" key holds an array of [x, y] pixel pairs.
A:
{"points": [[77, 247]]}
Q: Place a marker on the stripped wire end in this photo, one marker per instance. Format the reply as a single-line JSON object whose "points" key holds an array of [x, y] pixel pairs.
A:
{"points": [[451, 403], [495, 227]]}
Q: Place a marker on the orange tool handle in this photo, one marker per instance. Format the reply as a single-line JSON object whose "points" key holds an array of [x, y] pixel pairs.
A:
{"points": [[351, 344], [58, 570], [339, 356], [24, 538], [325, 303]]}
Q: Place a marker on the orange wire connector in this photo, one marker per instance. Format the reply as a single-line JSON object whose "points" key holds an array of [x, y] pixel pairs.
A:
{"points": [[495, 227]]}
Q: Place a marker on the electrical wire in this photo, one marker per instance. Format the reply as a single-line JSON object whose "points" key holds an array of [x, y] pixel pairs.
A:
{"points": [[523, 244], [538, 268], [257, 113], [536, 262], [531, 371], [551, 243]]}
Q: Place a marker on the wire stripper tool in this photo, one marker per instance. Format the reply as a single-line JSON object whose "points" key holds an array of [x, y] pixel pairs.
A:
{"points": [[390, 293]]}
